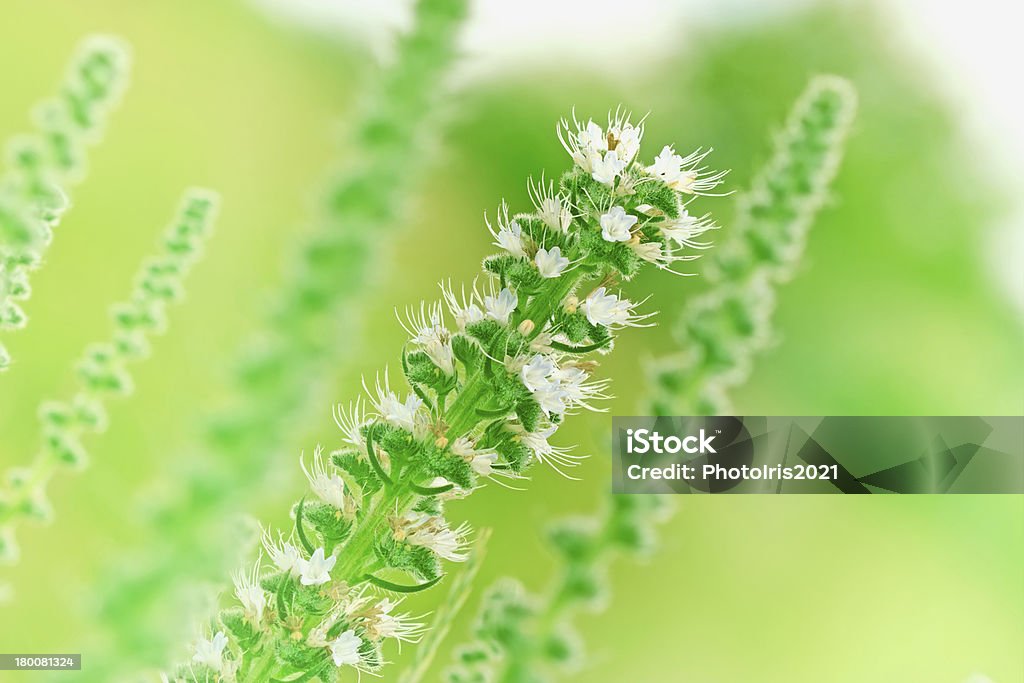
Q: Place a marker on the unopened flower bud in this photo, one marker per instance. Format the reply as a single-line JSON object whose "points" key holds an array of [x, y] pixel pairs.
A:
{"points": [[526, 327]]}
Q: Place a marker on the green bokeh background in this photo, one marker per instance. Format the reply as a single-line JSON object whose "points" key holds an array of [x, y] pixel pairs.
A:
{"points": [[893, 313]]}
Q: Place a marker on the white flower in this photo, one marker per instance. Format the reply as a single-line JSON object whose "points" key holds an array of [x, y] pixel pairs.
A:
{"points": [[574, 382], [400, 627], [210, 653], [536, 373], [649, 210], [542, 343], [685, 174], [551, 264], [464, 309], [345, 649], [402, 414], [607, 168], [592, 137], [616, 224], [393, 411], [500, 307], [623, 137], [552, 208], [608, 310], [250, 594], [627, 141], [482, 462], [650, 252], [685, 229], [583, 142], [509, 235], [328, 486], [317, 569], [551, 398], [433, 532], [282, 553], [427, 329], [557, 458], [593, 149], [449, 544], [351, 423], [667, 166]]}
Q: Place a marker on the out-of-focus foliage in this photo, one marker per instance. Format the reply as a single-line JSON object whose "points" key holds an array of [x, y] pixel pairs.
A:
{"points": [[721, 330], [103, 369], [42, 167], [523, 638]]}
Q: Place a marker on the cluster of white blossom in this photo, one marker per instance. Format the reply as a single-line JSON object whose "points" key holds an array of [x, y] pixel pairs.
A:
{"points": [[493, 370]]}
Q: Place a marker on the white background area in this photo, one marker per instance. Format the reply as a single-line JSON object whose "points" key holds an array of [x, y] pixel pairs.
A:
{"points": [[973, 50]]}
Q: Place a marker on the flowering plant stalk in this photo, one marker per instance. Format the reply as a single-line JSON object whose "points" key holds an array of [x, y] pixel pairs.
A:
{"points": [[275, 387], [103, 370], [34, 191], [723, 329], [486, 395], [524, 638]]}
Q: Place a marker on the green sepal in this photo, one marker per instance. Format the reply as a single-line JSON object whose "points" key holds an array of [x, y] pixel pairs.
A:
{"points": [[359, 469], [408, 371], [428, 505], [467, 352], [625, 260], [436, 462], [500, 264], [337, 628], [274, 583], [581, 187], [529, 413], [419, 561], [574, 326], [297, 654], [420, 370], [485, 331], [332, 526], [234, 621], [524, 276], [516, 454], [659, 195], [311, 600]]}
